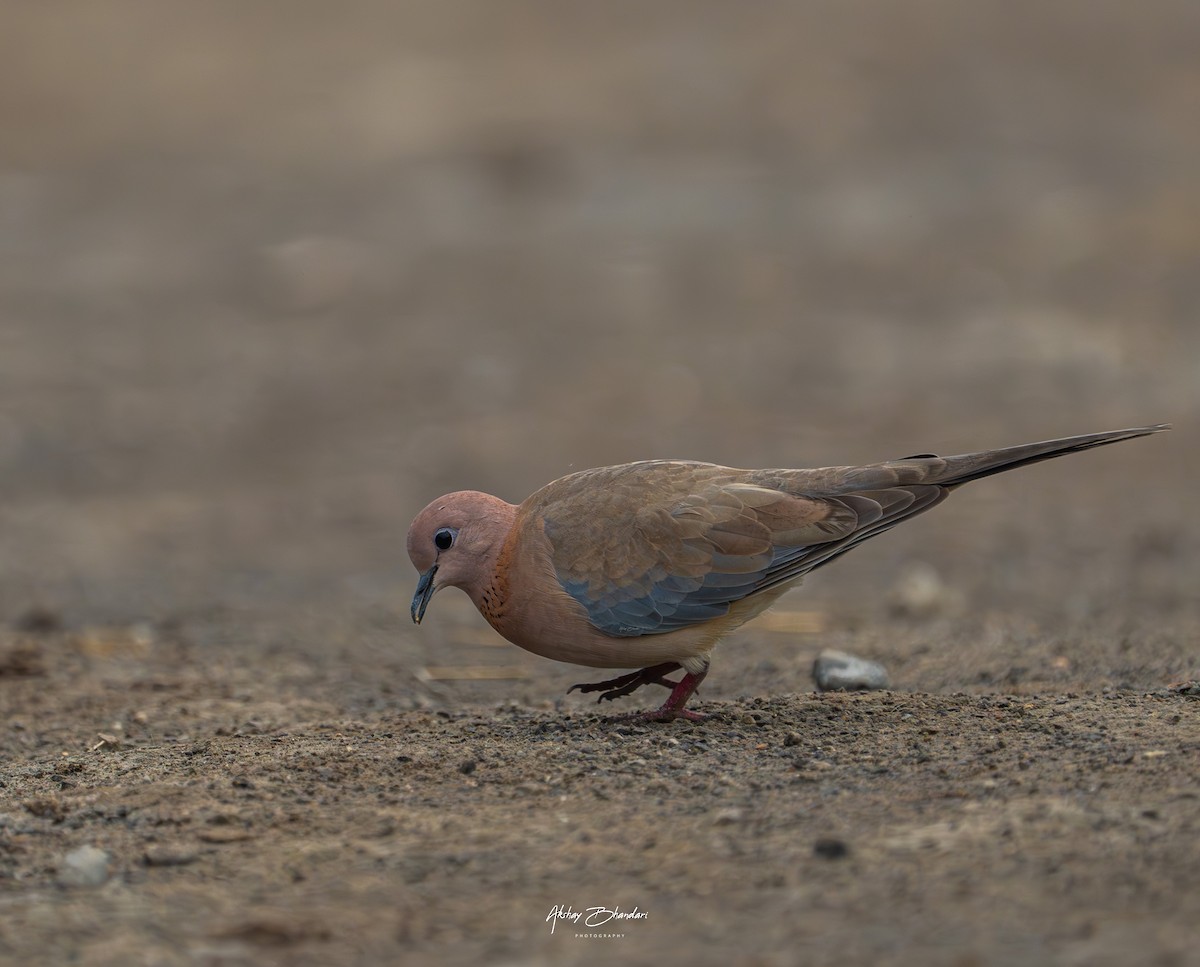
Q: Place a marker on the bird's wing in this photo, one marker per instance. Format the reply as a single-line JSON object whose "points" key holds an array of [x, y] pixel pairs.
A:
{"points": [[675, 544]]}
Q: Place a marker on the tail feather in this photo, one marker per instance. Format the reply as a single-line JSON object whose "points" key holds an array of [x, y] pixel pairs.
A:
{"points": [[929, 469], [974, 466], [928, 478]]}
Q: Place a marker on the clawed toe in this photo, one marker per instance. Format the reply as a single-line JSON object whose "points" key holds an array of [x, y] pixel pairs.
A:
{"points": [[626, 684], [612, 684]]}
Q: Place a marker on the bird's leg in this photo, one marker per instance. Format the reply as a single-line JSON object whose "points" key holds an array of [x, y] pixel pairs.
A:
{"points": [[673, 707], [625, 684]]}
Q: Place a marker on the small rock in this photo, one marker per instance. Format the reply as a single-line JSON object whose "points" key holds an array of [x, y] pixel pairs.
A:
{"points": [[86, 866], [169, 856], [839, 671], [467, 767], [793, 738], [831, 848], [728, 817], [920, 592], [107, 739]]}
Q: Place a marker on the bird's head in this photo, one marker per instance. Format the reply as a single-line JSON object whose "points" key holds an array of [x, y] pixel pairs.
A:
{"points": [[454, 542]]}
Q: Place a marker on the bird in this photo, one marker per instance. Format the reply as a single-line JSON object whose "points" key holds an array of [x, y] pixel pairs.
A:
{"points": [[649, 565]]}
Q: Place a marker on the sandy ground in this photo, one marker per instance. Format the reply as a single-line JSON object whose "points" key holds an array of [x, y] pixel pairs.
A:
{"points": [[272, 280], [251, 814]]}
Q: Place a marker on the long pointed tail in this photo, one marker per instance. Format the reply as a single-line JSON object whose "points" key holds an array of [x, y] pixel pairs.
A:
{"points": [[884, 494], [966, 467]]}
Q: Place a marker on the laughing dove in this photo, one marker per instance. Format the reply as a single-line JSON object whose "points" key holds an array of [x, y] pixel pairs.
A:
{"points": [[652, 563]]}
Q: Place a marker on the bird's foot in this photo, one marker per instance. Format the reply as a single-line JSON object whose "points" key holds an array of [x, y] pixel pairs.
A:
{"points": [[626, 684], [672, 708]]}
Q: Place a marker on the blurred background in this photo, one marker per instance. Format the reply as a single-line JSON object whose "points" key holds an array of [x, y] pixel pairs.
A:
{"points": [[274, 276]]}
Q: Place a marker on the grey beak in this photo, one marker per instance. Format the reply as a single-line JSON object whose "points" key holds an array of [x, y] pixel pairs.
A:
{"points": [[425, 589]]}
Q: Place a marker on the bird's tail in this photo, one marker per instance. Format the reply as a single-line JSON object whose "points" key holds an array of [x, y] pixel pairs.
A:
{"points": [[881, 495], [966, 467]]}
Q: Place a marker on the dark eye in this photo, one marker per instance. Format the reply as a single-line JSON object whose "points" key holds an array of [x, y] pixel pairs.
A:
{"points": [[443, 538]]}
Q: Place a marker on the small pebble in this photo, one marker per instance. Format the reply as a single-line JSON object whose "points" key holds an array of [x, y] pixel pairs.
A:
{"points": [[831, 848], [840, 671], [920, 592], [169, 856], [728, 817], [86, 866]]}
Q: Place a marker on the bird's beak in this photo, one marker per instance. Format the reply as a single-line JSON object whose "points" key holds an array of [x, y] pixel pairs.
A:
{"points": [[425, 589]]}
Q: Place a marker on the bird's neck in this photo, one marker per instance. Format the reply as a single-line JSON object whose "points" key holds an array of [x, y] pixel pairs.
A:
{"points": [[491, 594]]}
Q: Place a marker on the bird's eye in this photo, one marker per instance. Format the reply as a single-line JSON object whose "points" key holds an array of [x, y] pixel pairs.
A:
{"points": [[444, 538]]}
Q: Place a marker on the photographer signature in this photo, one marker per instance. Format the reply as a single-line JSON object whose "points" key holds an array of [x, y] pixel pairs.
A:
{"points": [[592, 916]]}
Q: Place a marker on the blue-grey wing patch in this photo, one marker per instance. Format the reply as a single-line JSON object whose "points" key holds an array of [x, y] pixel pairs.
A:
{"points": [[669, 602]]}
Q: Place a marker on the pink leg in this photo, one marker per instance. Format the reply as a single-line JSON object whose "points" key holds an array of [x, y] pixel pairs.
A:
{"points": [[673, 707]]}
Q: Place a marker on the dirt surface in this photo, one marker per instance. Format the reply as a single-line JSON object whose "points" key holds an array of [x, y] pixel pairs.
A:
{"points": [[271, 280], [247, 820]]}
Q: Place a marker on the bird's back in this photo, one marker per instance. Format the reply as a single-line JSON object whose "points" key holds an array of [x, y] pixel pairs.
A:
{"points": [[660, 545]]}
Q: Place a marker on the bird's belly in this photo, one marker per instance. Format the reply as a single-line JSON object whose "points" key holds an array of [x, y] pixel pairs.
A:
{"points": [[552, 624], [598, 650], [580, 643]]}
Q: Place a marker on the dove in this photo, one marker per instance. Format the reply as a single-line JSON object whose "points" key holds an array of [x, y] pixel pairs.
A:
{"points": [[649, 565]]}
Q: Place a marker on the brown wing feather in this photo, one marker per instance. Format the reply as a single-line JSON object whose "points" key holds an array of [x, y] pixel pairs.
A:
{"points": [[650, 548]]}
